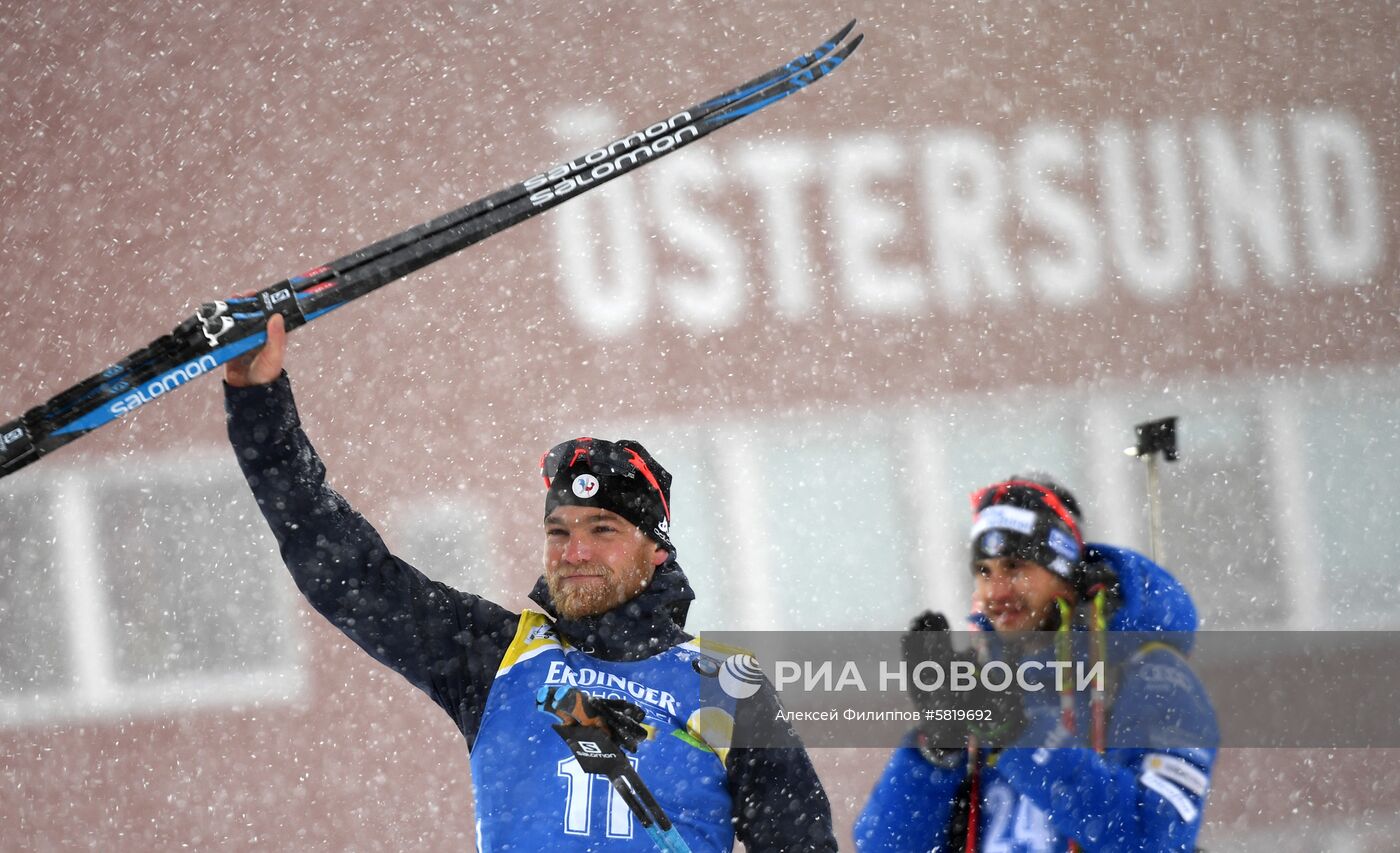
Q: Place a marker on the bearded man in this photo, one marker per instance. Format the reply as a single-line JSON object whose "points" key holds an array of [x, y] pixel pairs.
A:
{"points": [[613, 602]]}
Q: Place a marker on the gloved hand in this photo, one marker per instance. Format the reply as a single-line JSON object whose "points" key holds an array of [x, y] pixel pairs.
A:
{"points": [[927, 639], [994, 717], [618, 717], [940, 736]]}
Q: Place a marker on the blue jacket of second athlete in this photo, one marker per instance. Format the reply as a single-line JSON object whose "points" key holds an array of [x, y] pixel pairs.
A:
{"points": [[1146, 792]]}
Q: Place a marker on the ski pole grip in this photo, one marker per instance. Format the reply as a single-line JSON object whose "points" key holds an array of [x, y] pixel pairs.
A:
{"points": [[16, 444]]}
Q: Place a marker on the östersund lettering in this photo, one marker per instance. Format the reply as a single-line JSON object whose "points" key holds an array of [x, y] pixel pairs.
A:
{"points": [[1154, 211], [164, 383]]}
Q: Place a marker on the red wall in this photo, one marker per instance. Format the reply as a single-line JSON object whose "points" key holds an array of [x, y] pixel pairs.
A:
{"points": [[163, 155]]}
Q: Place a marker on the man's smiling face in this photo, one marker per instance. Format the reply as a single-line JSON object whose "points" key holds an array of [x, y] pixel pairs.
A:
{"points": [[595, 560]]}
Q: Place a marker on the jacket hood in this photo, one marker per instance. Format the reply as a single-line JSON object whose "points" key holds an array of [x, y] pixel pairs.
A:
{"points": [[646, 624], [1152, 600]]}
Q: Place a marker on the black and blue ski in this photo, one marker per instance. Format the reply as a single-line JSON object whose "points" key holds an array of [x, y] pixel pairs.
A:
{"points": [[223, 330]]}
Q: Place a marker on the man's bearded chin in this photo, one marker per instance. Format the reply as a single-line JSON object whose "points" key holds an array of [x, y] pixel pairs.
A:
{"points": [[575, 600]]}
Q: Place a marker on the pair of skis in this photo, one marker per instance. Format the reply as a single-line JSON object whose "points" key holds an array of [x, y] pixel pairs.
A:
{"points": [[223, 330]]}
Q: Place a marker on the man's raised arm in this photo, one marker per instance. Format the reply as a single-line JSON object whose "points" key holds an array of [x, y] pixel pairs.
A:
{"points": [[445, 642]]}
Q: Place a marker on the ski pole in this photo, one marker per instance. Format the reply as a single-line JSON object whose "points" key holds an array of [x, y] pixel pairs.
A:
{"points": [[1155, 438], [593, 728]]}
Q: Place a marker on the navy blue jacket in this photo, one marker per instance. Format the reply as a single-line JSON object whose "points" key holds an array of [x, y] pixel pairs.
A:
{"points": [[449, 644], [1145, 794]]}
